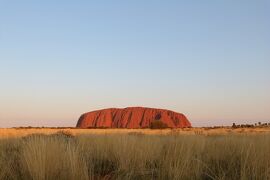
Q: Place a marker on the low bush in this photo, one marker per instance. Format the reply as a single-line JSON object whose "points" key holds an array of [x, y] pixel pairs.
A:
{"points": [[158, 124]]}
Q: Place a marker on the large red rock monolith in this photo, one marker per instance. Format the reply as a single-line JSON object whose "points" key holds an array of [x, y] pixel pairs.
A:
{"points": [[131, 117]]}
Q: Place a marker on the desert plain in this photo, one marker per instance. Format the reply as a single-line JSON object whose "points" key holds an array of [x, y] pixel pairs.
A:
{"points": [[206, 131]]}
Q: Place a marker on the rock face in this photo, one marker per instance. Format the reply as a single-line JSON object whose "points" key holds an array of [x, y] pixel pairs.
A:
{"points": [[131, 117]]}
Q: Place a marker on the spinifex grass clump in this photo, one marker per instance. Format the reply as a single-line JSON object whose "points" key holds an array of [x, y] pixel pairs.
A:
{"points": [[64, 156]]}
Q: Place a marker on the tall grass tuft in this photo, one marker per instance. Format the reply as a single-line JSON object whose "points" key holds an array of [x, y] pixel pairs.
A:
{"points": [[133, 156]]}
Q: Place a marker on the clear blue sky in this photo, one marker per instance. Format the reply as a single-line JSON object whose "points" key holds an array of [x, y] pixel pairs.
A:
{"points": [[207, 59]]}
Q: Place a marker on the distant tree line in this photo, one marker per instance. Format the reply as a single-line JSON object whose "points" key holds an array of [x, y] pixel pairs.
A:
{"points": [[259, 124]]}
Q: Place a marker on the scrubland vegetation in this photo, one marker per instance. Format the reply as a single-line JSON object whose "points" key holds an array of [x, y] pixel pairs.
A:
{"points": [[135, 156]]}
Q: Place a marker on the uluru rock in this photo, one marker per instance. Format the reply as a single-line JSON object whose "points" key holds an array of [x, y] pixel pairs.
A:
{"points": [[131, 117]]}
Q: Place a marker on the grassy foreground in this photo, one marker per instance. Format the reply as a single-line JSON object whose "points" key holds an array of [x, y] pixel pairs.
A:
{"points": [[135, 156]]}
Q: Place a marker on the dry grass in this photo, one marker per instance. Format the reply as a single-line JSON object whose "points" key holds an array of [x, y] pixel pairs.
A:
{"points": [[20, 132], [134, 155]]}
